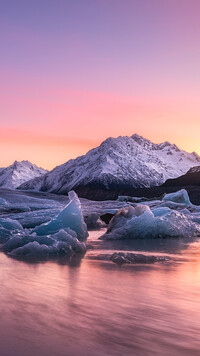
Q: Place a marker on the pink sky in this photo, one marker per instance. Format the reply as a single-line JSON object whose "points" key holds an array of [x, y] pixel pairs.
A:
{"points": [[73, 75]]}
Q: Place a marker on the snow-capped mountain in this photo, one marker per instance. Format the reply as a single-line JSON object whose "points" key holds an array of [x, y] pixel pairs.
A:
{"points": [[122, 162], [192, 177], [194, 170], [18, 173]]}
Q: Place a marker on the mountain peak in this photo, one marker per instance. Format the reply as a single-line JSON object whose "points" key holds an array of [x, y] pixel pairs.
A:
{"points": [[126, 162], [19, 172], [138, 138]]}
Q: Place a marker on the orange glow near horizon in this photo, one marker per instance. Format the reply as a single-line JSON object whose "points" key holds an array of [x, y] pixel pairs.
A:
{"points": [[67, 123], [50, 151], [72, 75]]}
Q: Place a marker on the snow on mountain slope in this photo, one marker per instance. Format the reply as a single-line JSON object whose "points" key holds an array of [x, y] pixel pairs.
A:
{"points": [[18, 173], [191, 178], [129, 162], [194, 170]]}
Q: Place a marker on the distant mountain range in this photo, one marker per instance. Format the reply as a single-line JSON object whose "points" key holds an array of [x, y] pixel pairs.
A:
{"points": [[18, 173], [118, 163]]}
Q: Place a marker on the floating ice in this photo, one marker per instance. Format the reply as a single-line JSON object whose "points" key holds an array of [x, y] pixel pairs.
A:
{"points": [[33, 246], [161, 211], [140, 222], [127, 198], [122, 257], [3, 202], [10, 224], [8, 227], [178, 197], [31, 250], [60, 236], [71, 216], [93, 221], [125, 214], [62, 230]]}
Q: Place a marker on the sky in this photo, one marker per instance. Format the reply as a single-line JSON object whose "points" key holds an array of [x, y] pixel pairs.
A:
{"points": [[74, 72]]}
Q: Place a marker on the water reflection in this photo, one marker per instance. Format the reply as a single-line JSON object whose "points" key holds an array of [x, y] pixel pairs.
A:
{"points": [[73, 261], [100, 309], [176, 247]]}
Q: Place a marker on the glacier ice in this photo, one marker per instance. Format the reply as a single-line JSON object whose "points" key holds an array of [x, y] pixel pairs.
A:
{"points": [[63, 230], [8, 227], [30, 245], [180, 197], [140, 222], [128, 198], [93, 221], [10, 224], [62, 235], [128, 257], [3, 202], [71, 216], [30, 219], [159, 211]]}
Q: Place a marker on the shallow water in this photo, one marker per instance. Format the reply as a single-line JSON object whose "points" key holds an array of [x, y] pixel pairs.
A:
{"points": [[95, 307]]}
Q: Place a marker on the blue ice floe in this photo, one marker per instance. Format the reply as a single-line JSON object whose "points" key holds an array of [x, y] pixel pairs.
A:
{"points": [[63, 235], [142, 222]]}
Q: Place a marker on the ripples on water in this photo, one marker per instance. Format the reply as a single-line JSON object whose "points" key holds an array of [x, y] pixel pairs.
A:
{"points": [[99, 308]]}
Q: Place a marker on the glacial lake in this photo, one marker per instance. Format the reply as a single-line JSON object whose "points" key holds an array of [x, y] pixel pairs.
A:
{"points": [[94, 307]]}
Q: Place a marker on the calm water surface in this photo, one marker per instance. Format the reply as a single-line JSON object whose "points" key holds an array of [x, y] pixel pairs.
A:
{"points": [[98, 308]]}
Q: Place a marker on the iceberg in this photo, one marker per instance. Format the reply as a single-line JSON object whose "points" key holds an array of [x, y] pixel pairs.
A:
{"points": [[70, 217], [93, 221], [63, 235], [34, 218], [62, 226], [33, 246], [180, 197], [159, 211], [10, 224], [127, 198], [3, 202], [140, 222], [127, 257], [8, 227]]}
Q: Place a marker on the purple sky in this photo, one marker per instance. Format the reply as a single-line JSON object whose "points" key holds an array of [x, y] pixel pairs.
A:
{"points": [[75, 72]]}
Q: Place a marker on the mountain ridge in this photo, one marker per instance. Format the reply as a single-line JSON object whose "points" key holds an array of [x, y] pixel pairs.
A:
{"points": [[128, 162], [19, 172], [191, 178]]}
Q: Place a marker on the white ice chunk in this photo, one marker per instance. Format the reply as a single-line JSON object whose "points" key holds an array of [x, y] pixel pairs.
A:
{"points": [[178, 197], [143, 224], [70, 217]]}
